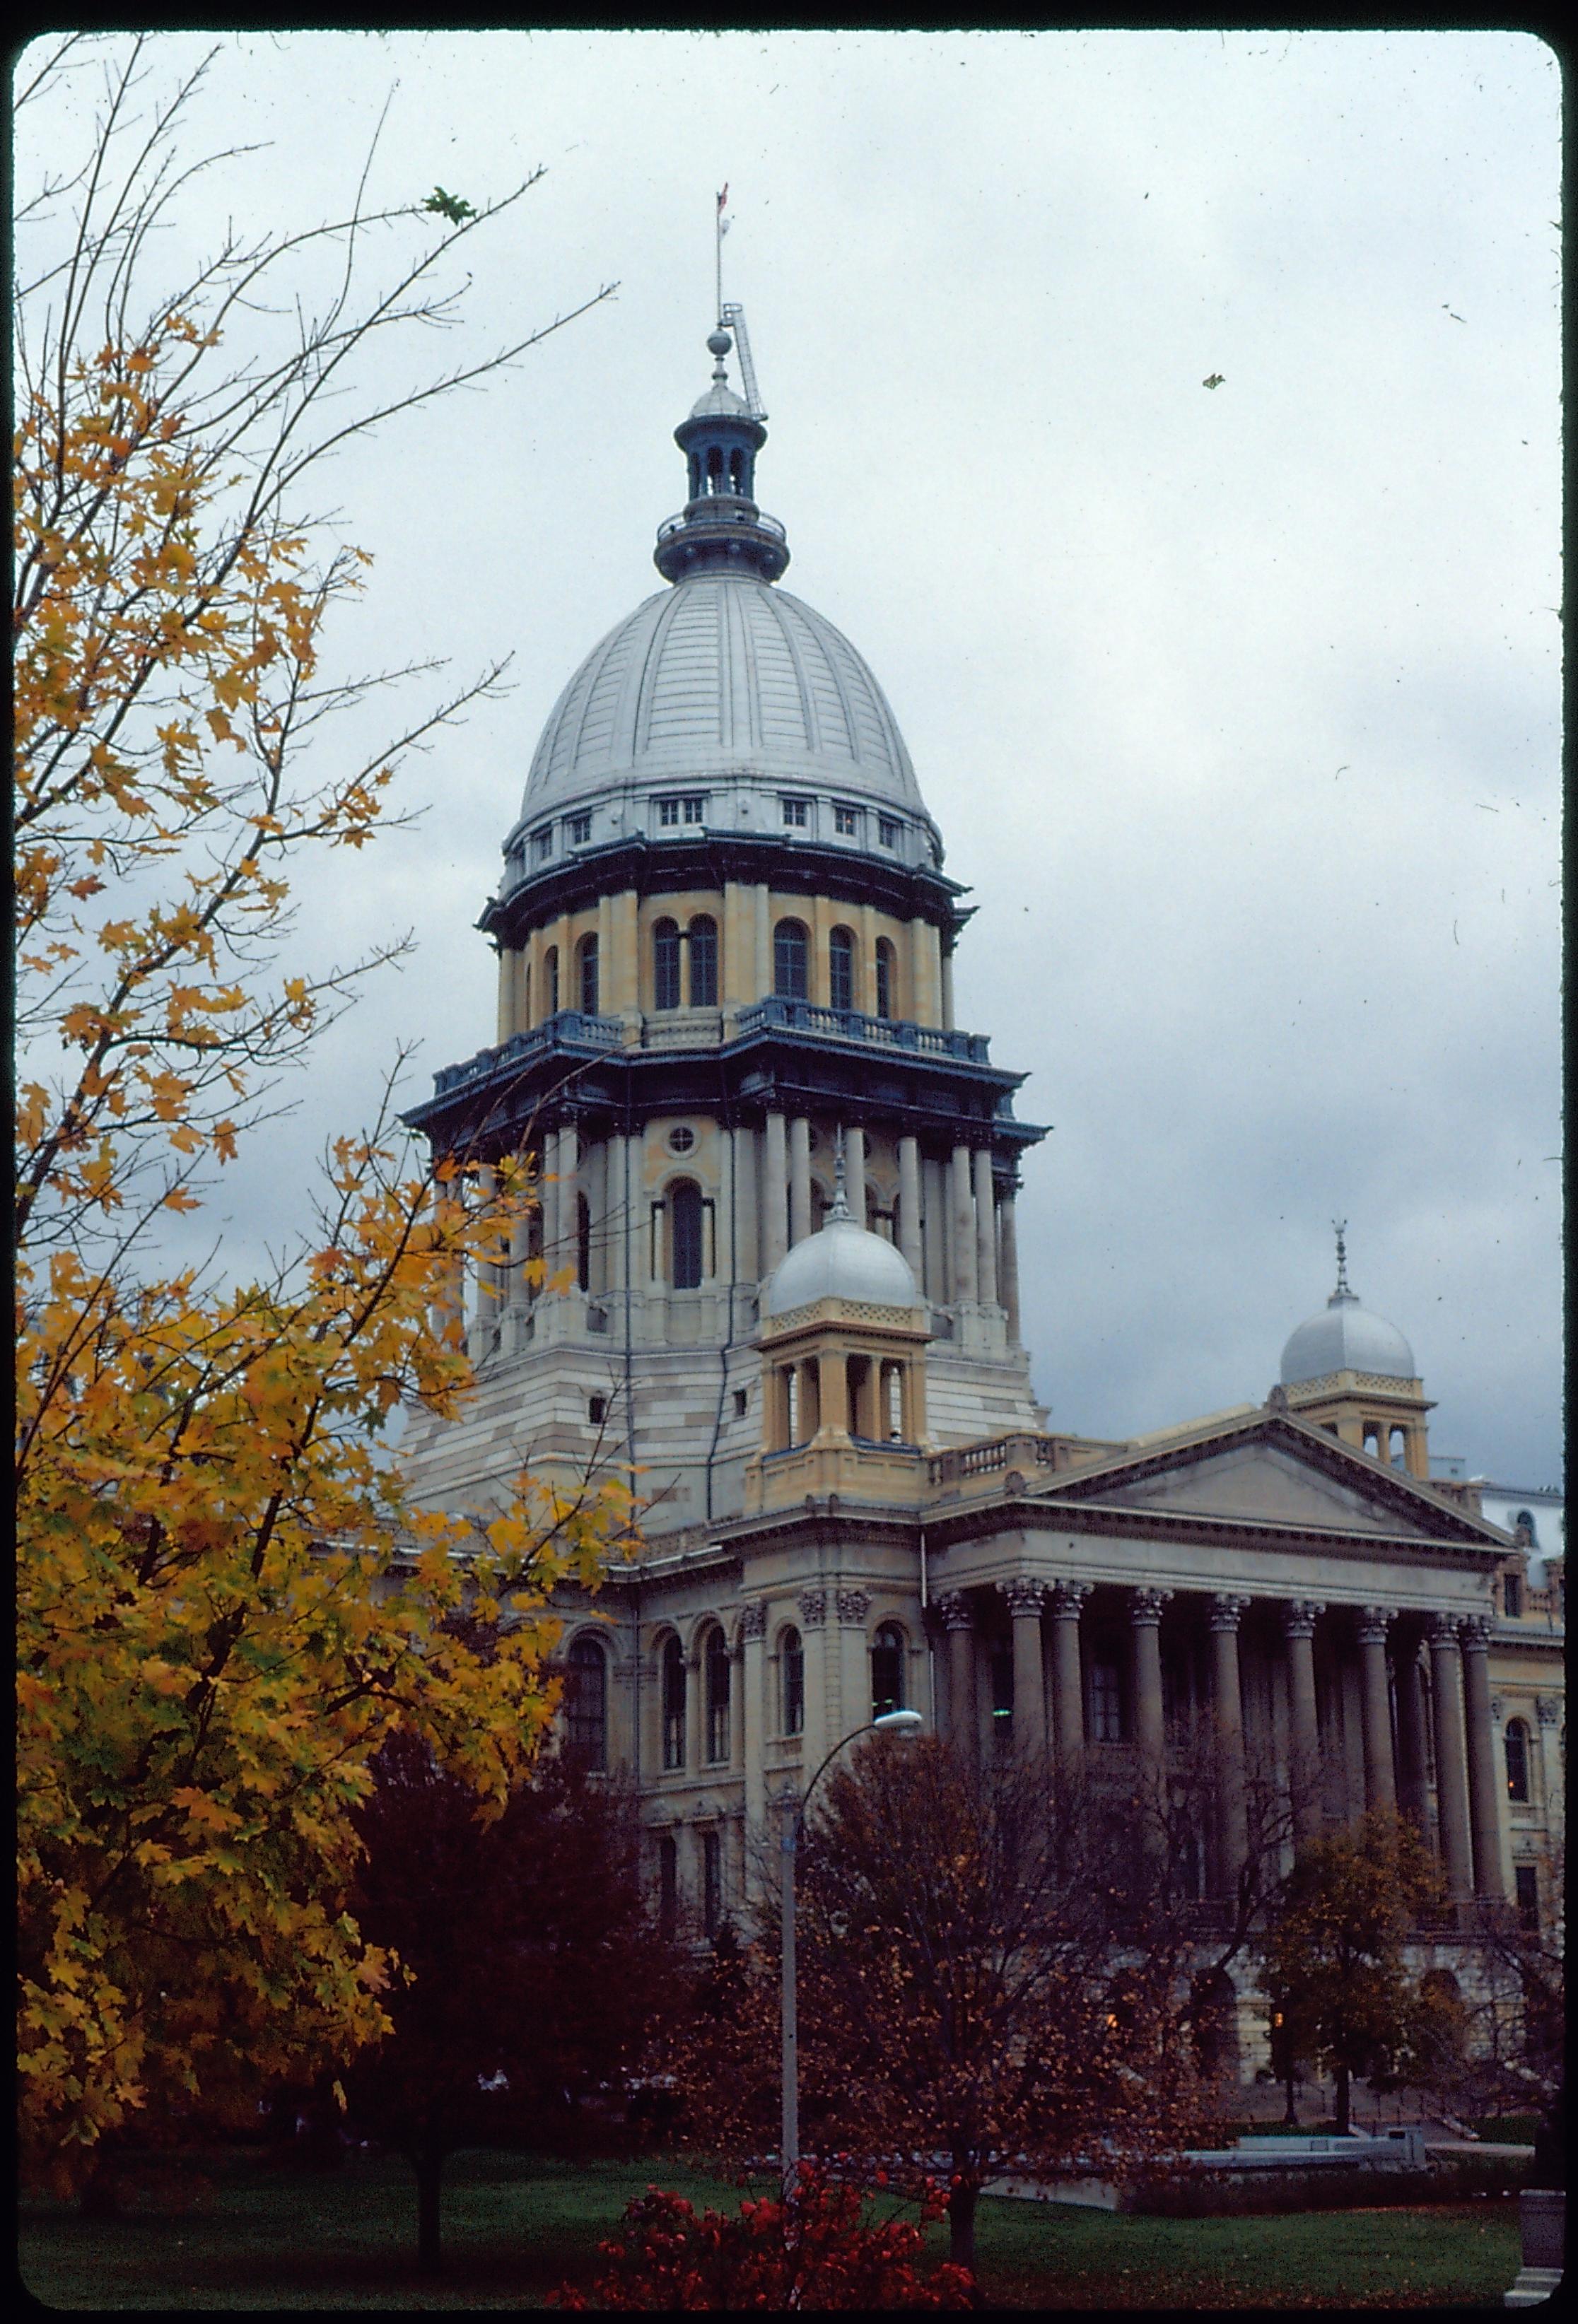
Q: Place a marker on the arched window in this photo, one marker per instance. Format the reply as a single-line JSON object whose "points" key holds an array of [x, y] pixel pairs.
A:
{"points": [[887, 1670], [586, 959], [792, 1682], [703, 962], [885, 979], [586, 1704], [712, 1881], [673, 1705], [791, 954], [667, 1885], [583, 1244], [550, 981], [714, 468], [716, 1663], [736, 471], [841, 969], [1516, 1749], [1524, 1523], [685, 1233], [666, 965]]}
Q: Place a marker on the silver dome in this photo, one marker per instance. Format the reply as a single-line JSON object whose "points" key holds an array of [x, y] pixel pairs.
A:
{"points": [[840, 1262], [1345, 1337], [726, 680]]}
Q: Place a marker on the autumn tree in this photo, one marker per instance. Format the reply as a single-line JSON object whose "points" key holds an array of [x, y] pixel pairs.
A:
{"points": [[984, 1988], [227, 1602], [531, 1962], [1334, 1956]]}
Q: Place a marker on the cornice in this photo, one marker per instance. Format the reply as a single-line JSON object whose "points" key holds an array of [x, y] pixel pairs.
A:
{"points": [[1047, 1515]]}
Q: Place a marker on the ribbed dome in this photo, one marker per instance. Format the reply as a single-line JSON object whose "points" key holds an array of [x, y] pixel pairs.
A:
{"points": [[727, 680], [840, 1262], [1345, 1337]]}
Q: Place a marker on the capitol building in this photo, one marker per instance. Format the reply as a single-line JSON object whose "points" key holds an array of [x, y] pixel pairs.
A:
{"points": [[781, 1295]]}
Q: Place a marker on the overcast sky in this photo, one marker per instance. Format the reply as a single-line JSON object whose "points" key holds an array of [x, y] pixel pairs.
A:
{"points": [[1238, 707]]}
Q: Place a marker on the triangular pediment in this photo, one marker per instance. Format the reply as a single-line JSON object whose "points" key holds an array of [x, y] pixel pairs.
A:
{"points": [[1272, 1470]]}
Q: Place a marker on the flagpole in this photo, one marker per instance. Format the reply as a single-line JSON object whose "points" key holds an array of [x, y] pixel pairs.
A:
{"points": [[718, 239]]}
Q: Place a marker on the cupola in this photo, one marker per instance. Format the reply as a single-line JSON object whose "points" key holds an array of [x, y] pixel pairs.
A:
{"points": [[720, 524], [1354, 1374]]}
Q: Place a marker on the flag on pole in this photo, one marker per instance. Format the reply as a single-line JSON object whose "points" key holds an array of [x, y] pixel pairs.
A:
{"points": [[724, 223], [723, 197]]}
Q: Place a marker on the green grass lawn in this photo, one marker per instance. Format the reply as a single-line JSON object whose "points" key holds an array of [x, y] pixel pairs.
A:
{"points": [[515, 2227]]}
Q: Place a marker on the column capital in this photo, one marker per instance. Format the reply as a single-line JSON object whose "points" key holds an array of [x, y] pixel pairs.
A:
{"points": [[854, 1605], [1299, 1616], [1023, 1595], [1144, 1607], [1227, 1610], [1373, 1623], [1474, 1633], [753, 1621], [954, 1609], [1441, 1630], [1067, 1597], [813, 1606], [1547, 1710]]}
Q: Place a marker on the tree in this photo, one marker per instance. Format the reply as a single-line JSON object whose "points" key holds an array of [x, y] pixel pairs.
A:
{"points": [[529, 1961], [984, 1985], [226, 1602], [1333, 1954]]}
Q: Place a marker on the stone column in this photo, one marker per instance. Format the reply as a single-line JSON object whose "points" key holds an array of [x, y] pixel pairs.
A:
{"points": [[934, 1237], [854, 1174], [1303, 1771], [947, 985], [447, 1313], [1381, 1785], [1029, 1700], [1413, 1778], [774, 1223], [1485, 1790], [985, 1229], [963, 1286], [1227, 1699], [815, 1739], [1451, 1779], [753, 1719], [1145, 1628], [1067, 1679], [800, 1149], [854, 1703], [746, 1253], [960, 1624], [1009, 1265], [909, 1209], [566, 1166]]}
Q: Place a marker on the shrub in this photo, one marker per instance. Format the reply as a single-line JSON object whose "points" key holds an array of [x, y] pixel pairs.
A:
{"points": [[817, 2250], [1228, 2194]]}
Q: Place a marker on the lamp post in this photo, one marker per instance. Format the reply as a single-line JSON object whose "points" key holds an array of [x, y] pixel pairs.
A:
{"points": [[890, 1722]]}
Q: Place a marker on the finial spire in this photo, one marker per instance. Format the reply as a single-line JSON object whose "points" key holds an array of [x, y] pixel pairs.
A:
{"points": [[1344, 1289], [723, 227], [840, 1205]]}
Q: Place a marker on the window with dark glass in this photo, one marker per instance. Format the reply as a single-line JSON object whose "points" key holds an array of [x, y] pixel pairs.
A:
{"points": [[693, 808], [793, 1656], [1512, 1595], [542, 843], [841, 969], [887, 831], [685, 1233], [797, 813], [673, 1705], [551, 979], [1515, 1744], [666, 965], [579, 829], [790, 960], [586, 1704], [718, 1697], [586, 954], [703, 962], [712, 1881], [668, 814], [583, 1244], [1002, 1662], [884, 977], [887, 1670], [668, 1886], [1526, 1880], [1106, 1703], [846, 821]]}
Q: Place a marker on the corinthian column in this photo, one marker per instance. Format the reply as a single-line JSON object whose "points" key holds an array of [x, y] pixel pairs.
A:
{"points": [[774, 1222], [800, 1179], [1484, 1792], [1298, 1621], [1067, 1683], [910, 1210], [985, 1229], [1008, 1266], [854, 1174], [1380, 1787], [960, 1624], [1030, 1699], [963, 1286], [1231, 1830], [1451, 1791], [1413, 1782]]}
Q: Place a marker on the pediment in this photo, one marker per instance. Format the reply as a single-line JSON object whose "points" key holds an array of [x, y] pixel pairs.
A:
{"points": [[1269, 1476]]}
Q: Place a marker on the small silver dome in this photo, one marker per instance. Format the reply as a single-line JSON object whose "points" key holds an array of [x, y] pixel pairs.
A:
{"points": [[840, 1262], [720, 401], [1345, 1337]]}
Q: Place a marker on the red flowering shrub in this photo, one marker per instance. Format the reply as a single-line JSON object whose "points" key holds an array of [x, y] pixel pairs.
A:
{"points": [[818, 2250]]}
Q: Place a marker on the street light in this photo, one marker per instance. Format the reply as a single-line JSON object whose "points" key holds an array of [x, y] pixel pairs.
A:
{"points": [[890, 1722]]}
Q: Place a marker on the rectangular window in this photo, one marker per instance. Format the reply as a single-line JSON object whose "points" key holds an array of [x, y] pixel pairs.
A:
{"points": [[797, 813], [579, 829], [887, 831], [1512, 1595], [712, 1881], [542, 843], [846, 821], [668, 815], [1106, 1703], [668, 1886], [794, 1684], [694, 810], [1526, 1879]]}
